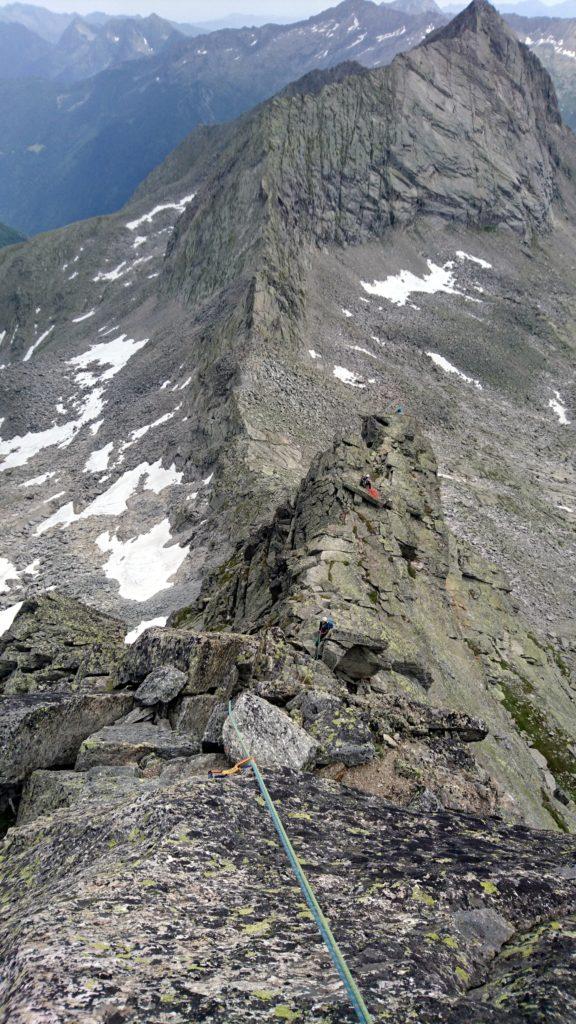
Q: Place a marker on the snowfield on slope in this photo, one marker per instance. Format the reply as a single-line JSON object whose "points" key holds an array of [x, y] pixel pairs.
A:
{"points": [[144, 565], [397, 288]]}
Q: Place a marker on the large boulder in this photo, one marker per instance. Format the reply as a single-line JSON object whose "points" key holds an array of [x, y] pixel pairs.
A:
{"points": [[161, 686], [343, 733], [46, 730], [58, 643], [271, 737], [124, 744], [211, 661]]}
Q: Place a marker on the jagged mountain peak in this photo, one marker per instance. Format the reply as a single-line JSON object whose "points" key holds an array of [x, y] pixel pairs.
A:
{"points": [[487, 38]]}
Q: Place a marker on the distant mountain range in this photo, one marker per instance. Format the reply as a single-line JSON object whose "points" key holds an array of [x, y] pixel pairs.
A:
{"points": [[84, 119], [69, 153], [83, 49]]}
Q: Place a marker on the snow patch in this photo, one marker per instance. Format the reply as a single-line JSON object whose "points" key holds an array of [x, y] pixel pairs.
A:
{"points": [[133, 635], [37, 481], [347, 377], [38, 342], [147, 218], [449, 368], [114, 354], [144, 565], [559, 409], [98, 460], [313, 354], [7, 616], [114, 501], [86, 316], [474, 259], [397, 288], [112, 275], [7, 572]]}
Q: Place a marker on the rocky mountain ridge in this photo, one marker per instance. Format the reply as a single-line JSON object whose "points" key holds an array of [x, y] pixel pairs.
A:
{"points": [[80, 135], [91, 152], [134, 840], [219, 341], [348, 279]]}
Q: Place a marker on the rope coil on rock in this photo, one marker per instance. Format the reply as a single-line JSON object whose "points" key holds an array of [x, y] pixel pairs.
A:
{"points": [[336, 955]]}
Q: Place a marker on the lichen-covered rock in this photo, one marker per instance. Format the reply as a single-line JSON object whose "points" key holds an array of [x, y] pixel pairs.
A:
{"points": [[217, 662], [342, 733], [57, 643], [124, 744], [46, 730], [45, 791], [161, 686], [192, 714], [181, 906], [270, 735], [212, 738]]}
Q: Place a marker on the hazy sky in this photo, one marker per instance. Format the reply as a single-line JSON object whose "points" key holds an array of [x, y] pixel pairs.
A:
{"points": [[193, 10]]}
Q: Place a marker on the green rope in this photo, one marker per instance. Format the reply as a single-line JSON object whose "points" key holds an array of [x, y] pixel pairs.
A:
{"points": [[326, 932]]}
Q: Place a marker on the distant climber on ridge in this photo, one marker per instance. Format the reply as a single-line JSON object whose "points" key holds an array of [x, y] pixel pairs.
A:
{"points": [[367, 484]]}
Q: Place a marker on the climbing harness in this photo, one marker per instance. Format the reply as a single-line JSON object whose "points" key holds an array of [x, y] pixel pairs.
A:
{"points": [[336, 955]]}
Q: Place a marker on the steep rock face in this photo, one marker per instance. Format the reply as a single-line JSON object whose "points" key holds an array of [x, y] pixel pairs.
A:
{"points": [[130, 911], [58, 662], [553, 41], [377, 150], [416, 611], [57, 643]]}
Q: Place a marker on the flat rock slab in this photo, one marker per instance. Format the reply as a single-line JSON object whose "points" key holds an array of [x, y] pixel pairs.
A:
{"points": [[124, 744], [270, 735], [161, 686], [46, 730], [46, 792], [129, 912]]}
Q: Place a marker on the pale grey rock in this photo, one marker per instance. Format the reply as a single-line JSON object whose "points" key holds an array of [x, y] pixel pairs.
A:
{"points": [[161, 686], [271, 737], [118, 745], [46, 730]]}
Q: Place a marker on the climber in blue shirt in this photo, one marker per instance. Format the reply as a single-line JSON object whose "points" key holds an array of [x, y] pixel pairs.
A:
{"points": [[324, 629]]}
